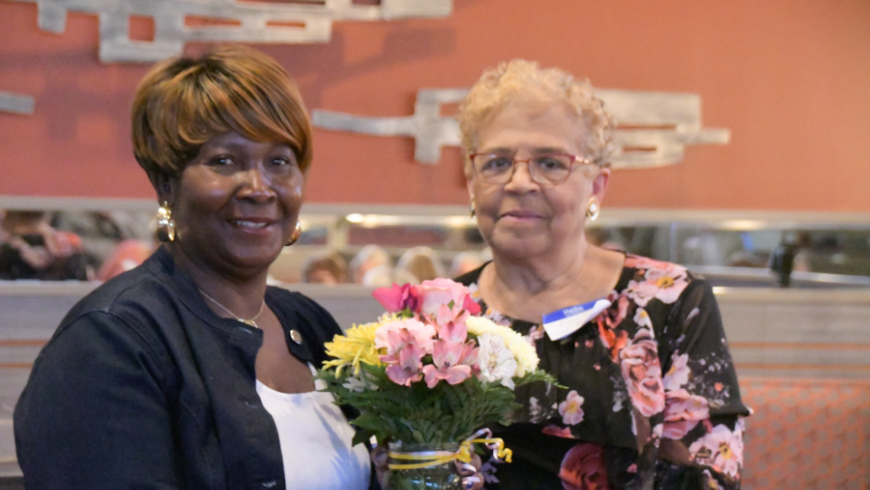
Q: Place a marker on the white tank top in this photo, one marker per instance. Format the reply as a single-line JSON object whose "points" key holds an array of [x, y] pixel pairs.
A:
{"points": [[315, 441]]}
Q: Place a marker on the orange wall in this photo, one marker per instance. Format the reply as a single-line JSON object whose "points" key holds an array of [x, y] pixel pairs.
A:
{"points": [[789, 78]]}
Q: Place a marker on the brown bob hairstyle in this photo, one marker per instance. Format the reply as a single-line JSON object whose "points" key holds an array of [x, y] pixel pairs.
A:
{"points": [[183, 102]]}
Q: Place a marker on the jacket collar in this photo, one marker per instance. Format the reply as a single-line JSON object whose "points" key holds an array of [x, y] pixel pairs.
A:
{"points": [[162, 265]]}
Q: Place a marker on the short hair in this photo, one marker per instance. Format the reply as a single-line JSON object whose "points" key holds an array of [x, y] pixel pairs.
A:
{"points": [[25, 215], [372, 255], [524, 81], [183, 102], [331, 262], [422, 262]]}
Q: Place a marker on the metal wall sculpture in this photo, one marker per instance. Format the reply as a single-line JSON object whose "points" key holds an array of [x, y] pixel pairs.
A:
{"points": [[654, 127], [299, 21], [18, 104]]}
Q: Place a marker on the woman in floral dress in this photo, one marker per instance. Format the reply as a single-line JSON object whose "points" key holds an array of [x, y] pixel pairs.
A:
{"points": [[651, 398]]}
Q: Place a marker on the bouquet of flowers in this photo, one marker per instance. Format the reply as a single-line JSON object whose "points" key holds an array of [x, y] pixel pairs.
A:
{"points": [[428, 374]]}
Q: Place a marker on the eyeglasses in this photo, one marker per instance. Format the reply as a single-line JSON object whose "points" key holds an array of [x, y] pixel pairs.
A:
{"points": [[544, 169]]}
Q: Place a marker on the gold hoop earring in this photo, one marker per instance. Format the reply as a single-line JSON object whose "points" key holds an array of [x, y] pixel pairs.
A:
{"points": [[593, 209], [297, 232], [165, 223], [472, 212]]}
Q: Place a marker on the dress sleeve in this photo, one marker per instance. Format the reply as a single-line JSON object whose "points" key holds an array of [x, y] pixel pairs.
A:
{"points": [[94, 414], [702, 435]]}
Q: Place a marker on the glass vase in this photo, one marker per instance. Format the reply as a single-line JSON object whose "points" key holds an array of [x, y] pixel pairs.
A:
{"points": [[437, 477]]}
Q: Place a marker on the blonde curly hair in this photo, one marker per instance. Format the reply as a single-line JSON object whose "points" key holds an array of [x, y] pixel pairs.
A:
{"points": [[524, 81]]}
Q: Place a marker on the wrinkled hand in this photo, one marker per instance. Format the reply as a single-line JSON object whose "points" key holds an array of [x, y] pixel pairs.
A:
{"points": [[379, 458], [471, 477]]}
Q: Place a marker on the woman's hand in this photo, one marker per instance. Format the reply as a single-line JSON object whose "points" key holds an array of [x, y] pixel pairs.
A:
{"points": [[379, 458], [471, 478]]}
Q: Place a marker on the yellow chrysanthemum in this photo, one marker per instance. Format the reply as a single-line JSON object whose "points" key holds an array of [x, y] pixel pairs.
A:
{"points": [[524, 353], [355, 346]]}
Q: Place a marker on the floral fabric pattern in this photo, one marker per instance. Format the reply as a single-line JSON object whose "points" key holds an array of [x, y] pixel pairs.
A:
{"points": [[649, 378]]}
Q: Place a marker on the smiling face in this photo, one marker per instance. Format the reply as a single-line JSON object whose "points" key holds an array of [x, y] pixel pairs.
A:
{"points": [[521, 218], [236, 204]]}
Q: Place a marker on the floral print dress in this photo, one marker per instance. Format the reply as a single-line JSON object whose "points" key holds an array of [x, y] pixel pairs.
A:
{"points": [[649, 377]]}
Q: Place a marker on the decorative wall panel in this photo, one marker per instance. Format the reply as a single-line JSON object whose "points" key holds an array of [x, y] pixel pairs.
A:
{"points": [[654, 127], [19, 104], [179, 21]]}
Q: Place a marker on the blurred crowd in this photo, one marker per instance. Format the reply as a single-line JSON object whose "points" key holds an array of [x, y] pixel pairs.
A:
{"points": [[72, 245], [86, 245], [98, 245], [373, 266]]}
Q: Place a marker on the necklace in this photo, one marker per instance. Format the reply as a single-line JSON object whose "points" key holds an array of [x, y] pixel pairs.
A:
{"points": [[250, 322]]}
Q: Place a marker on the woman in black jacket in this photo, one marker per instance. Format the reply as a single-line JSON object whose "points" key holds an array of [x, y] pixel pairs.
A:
{"points": [[189, 372]]}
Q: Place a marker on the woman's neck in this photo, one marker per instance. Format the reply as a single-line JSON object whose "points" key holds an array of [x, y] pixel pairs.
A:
{"points": [[241, 294], [539, 274], [528, 288]]}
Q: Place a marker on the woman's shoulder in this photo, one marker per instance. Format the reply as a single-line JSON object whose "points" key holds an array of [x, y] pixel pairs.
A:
{"points": [[664, 280], [472, 277], [133, 292], [119, 320], [633, 261], [148, 303]]}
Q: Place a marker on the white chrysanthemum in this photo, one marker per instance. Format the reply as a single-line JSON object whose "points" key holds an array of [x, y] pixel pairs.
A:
{"points": [[525, 355]]}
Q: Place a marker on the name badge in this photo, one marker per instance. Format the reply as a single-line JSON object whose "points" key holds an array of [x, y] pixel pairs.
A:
{"points": [[562, 323]]}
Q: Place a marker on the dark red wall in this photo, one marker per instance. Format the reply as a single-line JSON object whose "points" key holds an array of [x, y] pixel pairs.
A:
{"points": [[789, 78]]}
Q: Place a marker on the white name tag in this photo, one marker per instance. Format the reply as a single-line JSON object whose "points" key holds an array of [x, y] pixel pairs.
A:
{"points": [[562, 323]]}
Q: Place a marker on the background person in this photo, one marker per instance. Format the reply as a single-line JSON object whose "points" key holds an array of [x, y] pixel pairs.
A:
{"points": [[31, 249], [421, 262], [465, 262], [325, 268], [652, 399], [384, 276], [366, 259], [189, 371]]}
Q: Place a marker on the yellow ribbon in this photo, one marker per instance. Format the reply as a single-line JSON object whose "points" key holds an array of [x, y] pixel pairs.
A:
{"points": [[428, 459]]}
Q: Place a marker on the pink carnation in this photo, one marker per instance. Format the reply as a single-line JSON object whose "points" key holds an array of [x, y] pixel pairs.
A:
{"points": [[397, 298], [440, 291]]}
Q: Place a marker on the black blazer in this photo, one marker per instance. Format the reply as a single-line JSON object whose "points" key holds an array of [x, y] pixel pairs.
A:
{"points": [[143, 386]]}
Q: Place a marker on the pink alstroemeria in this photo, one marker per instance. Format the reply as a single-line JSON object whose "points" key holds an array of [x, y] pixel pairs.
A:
{"points": [[395, 299], [447, 356], [407, 369], [394, 336], [469, 357], [451, 326]]}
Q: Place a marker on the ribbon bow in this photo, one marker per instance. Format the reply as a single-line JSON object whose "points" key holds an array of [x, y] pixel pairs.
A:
{"points": [[427, 459]]}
